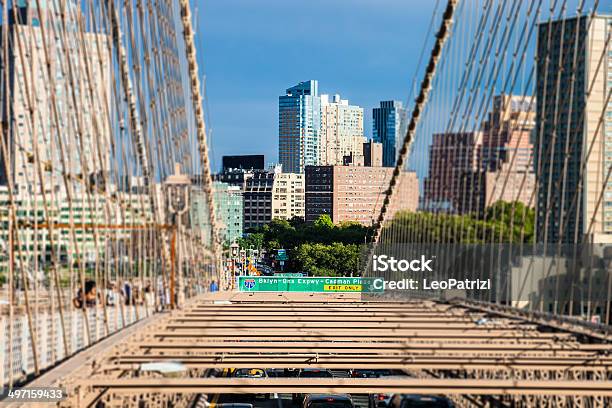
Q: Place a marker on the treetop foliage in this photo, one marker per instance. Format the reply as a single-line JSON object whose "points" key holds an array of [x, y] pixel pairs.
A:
{"points": [[323, 248]]}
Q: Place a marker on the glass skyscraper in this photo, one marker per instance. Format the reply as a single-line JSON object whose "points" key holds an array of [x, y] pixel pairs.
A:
{"points": [[299, 124], [574, 198], [388, 129]]}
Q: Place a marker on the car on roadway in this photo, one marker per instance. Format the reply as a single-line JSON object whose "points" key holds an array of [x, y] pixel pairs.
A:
{"points": [[276, 372], [311, 373], [315, 373], [420, 401], [252, 373], [234, 405], [327, 401], [368, 373], [380, 400], [265, 269]]}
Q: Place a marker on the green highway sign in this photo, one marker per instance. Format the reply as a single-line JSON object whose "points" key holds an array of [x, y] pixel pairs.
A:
{"points": [[319, 285], [281, 255]]}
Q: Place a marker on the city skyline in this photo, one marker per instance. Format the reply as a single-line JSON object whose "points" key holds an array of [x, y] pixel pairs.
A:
{"points": [[317, 129], [372, 66], [325, 102]]}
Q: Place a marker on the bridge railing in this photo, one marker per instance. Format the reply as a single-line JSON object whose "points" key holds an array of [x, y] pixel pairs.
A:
{"points": [[82, 329], [104, 170]]}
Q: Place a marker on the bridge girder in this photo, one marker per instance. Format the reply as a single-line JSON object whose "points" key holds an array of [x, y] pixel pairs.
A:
{"points": [[447, 349]]}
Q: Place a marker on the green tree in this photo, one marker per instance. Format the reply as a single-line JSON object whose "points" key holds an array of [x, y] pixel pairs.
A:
{"points": [[336, 259], [253, 240], [324, 223], [503, 222], [320, 248]]}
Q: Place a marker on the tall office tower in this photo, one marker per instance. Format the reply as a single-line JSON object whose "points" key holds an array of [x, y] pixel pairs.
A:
{"points": [[299, 124], [350, 193], [507, 132], [341, 131], [389, 129], [505, 159], [573, 135], [452, 157], [69, 107], [228, 205], [258, 199]]}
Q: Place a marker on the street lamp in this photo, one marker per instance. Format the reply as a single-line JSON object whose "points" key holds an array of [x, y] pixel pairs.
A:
{"points": [[234, 248], [243, 261], [177, 190]]}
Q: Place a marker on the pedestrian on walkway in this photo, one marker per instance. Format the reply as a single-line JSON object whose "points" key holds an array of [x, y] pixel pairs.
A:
{"points": [[213, 286]]}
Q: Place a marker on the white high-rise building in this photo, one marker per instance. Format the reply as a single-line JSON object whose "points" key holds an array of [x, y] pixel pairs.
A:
{"points": [[341, 131], [68, 129], [288, 196], [271, 194]]}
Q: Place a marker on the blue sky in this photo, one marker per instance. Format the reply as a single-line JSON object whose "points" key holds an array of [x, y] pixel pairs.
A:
{"points": [[251, 51]]}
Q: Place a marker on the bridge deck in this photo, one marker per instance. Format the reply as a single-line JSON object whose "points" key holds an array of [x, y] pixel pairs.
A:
{"points": [[445, 348]]}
